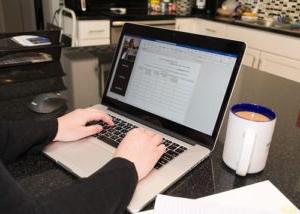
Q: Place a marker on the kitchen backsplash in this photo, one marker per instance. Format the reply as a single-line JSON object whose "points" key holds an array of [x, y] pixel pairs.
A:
{"points": [[275, 8]]}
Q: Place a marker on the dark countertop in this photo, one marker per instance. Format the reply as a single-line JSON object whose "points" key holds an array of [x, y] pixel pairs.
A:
{"points": [[254, 25], [137, 15], [38, 175], [146, 16]]}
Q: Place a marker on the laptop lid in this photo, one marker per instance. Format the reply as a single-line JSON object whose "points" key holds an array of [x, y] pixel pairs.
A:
{"points": [[179, 83]]}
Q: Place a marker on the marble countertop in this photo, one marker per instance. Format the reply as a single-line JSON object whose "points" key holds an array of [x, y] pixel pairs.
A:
{"points": [[39, 175]]}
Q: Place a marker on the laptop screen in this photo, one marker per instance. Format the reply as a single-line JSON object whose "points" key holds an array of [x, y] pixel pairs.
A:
{"points": [[182, 83]]}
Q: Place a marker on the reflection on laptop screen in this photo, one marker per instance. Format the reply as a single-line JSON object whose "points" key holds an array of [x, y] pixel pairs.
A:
{"points": [[180, 83]]}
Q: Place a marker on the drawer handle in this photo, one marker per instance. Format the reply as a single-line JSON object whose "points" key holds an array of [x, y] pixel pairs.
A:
{"points": [[280, 63], [210, 30], [97, 31], [254, 59]]}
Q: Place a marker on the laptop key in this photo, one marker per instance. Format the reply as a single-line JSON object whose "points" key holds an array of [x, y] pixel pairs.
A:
{"points": [[175, 144], [179, 150], [114, 137], [166, 143], [124, 131], [172, 147], [108, 141], [157, 166], [167, 157], [103, 132], [162, 161], [182, 147], [172, 153]]}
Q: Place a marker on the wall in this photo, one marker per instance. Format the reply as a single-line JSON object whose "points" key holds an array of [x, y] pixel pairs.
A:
{"points": [[2, 24], [49, 8], [17, 15], [275, 8]]}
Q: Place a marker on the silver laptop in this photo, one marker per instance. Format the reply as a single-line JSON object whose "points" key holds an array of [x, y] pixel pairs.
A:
{"points": [[173, 83]]}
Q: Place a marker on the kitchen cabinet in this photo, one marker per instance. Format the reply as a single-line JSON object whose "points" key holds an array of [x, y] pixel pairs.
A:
{"points": [[188, 25], [200, 26], [252, 57], [88, 32], [285, 46], [211, 28], [281, 66], [270, 52]]}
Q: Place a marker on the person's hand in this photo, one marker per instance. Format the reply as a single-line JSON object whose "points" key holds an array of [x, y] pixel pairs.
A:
{"points": [[72, 126], [143, 148]]}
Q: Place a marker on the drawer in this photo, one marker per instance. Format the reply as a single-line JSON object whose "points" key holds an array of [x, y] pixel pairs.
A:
{"points": [[94, 29], [251, 58], [283, 45], [186, 25], [281, 66], [211, 28]]}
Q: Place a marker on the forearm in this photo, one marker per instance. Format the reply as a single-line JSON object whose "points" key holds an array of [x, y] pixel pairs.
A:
{"points": [[107, 191], [18, 137]]}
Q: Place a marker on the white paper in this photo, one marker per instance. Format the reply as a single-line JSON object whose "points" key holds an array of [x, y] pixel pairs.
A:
{"points": [[260, 198]]}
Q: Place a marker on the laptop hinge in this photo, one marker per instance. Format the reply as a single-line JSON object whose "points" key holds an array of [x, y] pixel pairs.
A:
{"points": [[158, 128]]}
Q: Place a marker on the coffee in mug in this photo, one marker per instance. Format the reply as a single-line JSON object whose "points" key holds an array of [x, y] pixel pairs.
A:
{"points": [[248, 115], [248, 137]]}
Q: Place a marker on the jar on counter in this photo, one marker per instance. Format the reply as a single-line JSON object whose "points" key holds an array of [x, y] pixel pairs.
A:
{"points": [[184, 7]]}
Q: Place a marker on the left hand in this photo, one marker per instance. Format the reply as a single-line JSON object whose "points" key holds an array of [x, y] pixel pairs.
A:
{"points": [[72, 126]]}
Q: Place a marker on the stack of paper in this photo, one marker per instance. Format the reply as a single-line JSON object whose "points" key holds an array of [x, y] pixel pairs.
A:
{"points": [[260, 198]]}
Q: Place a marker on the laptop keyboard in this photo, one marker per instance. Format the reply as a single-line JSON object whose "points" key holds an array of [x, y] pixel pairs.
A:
{"points": [[113, 135]]}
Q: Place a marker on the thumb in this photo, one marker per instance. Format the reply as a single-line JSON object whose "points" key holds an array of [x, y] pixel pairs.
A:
{"points": [[91, 130]]}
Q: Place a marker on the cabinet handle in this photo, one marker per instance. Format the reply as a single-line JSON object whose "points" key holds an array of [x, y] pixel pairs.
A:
{"points": [[281, 63], [254, 59], [259, 64], [97, 31], [211, 30]]}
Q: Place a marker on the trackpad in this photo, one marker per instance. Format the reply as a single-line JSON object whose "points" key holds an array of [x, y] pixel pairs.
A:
{"points": [[86, 158]]}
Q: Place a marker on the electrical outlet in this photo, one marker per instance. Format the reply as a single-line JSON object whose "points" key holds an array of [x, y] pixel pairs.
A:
{"points": [[298, 120]]}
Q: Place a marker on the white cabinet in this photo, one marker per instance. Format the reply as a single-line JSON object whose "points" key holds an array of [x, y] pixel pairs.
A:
{"points": [[273, 53], [186, 24], [285, 46], [88, 32], [211, 28], [251, 57], [281, 66], [200, 26], [270, 52]]}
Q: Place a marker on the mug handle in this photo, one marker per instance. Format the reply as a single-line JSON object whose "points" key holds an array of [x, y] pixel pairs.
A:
{"points": [[246, 153]]}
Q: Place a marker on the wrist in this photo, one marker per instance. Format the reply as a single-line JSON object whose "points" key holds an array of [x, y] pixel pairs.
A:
{"points": [[57, 136]]}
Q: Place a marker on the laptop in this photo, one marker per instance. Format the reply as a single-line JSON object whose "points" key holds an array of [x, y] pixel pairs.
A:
{"points": [[173, 83]]}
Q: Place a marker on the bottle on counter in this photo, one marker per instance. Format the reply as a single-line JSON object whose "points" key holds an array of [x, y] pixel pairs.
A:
{"points": [[164, 6]]}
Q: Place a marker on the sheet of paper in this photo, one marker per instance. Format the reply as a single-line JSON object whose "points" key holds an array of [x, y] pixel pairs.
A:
{"points": [[260, 198]]}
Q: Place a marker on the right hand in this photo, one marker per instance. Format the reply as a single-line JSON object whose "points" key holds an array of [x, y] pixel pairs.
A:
{"points": [[143, 148]]}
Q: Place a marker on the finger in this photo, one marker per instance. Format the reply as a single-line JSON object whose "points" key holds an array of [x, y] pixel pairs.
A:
{"points": [[161, 150], [157, 139], [99, 115], [91, 130], [149, 133]]}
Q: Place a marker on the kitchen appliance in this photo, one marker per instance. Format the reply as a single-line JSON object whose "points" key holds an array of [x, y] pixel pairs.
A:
{"points": [[200, 4], [206, 7]]}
